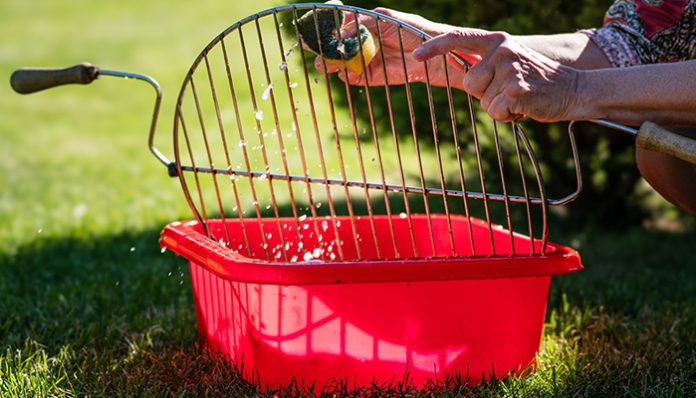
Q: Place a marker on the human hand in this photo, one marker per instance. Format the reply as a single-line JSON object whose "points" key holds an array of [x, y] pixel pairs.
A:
{"points": [[511, 80], [395, 55]]}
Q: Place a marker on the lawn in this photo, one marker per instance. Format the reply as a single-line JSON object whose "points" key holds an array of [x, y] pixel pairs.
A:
{"points": [[91, 307]]}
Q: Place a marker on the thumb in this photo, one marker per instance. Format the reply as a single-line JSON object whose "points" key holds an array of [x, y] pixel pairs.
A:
{"points": [[471, 41]]}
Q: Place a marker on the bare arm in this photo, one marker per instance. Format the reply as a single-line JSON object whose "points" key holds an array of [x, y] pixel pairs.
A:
{"points": [[576, 50], [662, 93]]}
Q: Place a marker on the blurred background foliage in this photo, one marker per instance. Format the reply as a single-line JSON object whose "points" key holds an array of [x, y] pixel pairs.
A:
{"points": [[613, 189]]}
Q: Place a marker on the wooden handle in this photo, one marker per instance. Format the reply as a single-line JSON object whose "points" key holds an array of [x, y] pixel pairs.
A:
{"points": [[654, 138], [31, 80]]}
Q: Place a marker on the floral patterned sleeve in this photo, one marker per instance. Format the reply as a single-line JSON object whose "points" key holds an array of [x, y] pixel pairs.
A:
{"points": [[638, 32]]}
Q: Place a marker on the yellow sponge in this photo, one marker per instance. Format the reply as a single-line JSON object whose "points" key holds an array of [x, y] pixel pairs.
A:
{"points": [[352, 52]]}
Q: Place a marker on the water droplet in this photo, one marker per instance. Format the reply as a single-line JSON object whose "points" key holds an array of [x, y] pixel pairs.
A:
{"points": [[293, 259], [293, 84], [402, 215], [242, 143], [265, 95], [80, 210], [318, 205], [307, 256], [163, 250], [324, 225], [289, 52], [332, 256], [132, 249], [306, 226], [39, 231], [302, 217], [258, 114], [316, 252], [316, 80], [283, 66], [170, 273]]}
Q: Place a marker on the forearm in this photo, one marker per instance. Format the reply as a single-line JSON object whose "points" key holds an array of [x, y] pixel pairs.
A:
{"points": [[662, 93], [576, 50]]}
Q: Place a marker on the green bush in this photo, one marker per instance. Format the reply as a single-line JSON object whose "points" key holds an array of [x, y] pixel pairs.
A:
{"points": [[610, 174]]}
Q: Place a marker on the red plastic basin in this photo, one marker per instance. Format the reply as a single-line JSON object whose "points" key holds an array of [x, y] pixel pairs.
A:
{"points": [[372, 320]]}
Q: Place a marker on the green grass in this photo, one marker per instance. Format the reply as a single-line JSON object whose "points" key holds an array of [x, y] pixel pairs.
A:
{"points": [[90, 307]]}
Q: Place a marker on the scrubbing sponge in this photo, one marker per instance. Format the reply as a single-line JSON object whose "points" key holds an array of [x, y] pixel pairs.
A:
{"points": [[335, 49]]}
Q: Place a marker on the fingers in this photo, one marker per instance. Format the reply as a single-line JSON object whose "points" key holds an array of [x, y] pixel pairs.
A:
{"points": [[456, 58], [320, 65], [499, 109], [472, 41], [479, 78], [350, 26], [374, 72]]}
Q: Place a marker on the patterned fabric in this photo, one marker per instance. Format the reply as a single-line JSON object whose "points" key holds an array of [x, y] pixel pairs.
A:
{"points": [[637, 32]]}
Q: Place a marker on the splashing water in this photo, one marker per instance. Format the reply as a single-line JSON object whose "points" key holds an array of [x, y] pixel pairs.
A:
{"points": [[266, 94], [258, 114]]}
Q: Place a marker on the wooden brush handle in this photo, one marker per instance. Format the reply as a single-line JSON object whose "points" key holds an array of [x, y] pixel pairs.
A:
{"points": [[31, 80], [655, 138]]}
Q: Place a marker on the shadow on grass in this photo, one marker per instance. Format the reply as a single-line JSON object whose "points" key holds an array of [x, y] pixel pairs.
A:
{"points": [[626, 324]]}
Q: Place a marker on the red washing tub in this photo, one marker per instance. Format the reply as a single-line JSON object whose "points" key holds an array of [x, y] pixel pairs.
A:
{"points": [[377, 320]]}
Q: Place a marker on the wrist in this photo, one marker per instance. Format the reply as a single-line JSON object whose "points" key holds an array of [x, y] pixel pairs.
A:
{"points": [[587, 93]]}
